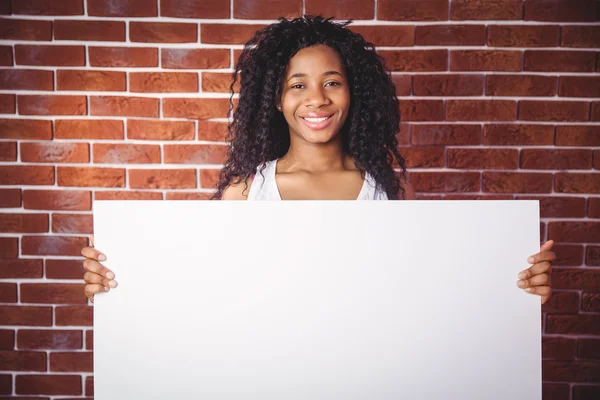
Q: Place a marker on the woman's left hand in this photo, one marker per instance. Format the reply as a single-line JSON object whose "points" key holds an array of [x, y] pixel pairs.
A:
{"points": [[536, 279]]}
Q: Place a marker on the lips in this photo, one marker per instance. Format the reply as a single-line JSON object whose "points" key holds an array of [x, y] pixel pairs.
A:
{"points": [[317, 121]]}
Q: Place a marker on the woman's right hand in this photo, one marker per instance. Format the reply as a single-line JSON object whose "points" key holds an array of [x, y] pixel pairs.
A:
{"points": [[98, 278]]}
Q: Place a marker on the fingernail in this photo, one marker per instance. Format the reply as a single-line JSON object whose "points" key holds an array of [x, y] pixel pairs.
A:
{"points": [[528, 290], [520, 283], [101, 257], [530, 260], [110, 275], [522, 275], [112, 284], [106, 289]]}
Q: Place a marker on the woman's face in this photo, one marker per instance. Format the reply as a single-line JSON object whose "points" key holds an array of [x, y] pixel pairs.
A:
{"points": [[315, 95]]}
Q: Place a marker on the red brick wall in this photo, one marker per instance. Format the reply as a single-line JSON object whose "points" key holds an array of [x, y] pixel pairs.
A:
{"points": [[126, 99]]}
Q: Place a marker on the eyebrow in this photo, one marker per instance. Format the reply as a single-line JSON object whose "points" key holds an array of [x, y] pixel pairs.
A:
{"points": [[301, 75]]}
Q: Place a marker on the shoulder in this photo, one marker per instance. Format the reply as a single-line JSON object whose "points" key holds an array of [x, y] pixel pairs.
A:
{"points": [[409, 190], [238, 190]]}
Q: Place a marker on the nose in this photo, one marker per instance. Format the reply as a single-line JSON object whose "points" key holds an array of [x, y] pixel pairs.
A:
{"points": [[316, 97]]}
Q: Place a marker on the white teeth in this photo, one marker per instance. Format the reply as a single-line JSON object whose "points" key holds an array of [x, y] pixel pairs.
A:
{"points": [[315, 119]]}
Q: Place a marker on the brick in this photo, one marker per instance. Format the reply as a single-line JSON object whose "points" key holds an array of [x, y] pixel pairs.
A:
{"points": [[448, 85], [553, 348], [26, 175], [123, 57], [49, 384], [90, 176], [595, 114], [560, 10], [25, 315], [64, 269], [592, 256], [217, 9], [72, 223], [22, 361], [577, 183], [6, 56], [10, 198], [218, 82], [483, 158], [485, 60], [574, 232], [160, 130], [89, 340], [127, 195], [53, 245], [55, 152], [585, 392], [129, 8], [71, 362], [486, 9], [126, 153], [163, 82], [227, 33], [124, 106], [7, 104], [50, 55], [578, 135], [555, 159], [23, 223], [103, 31], [209, 178], [163, 32], [568, 111], [212, 131], [593, 210], [7, 339], [74, 316], [52, 105], [446, 181], [562, 303], [89, 128], [513, 182], [387, 35], [57, 200], [188, 196], [194, 154], [570, 371], [416, 60], [33, 7], [518, 135], [579, 86], [520, 85], [403, 84], [91, 80], [450, 35], [25, 129], [422, 110], [523, 35], [9, 247], [26, 79], [450, 135], [25, 29], [580, 36], [481, 110], [575, 278], [195, 108], [559, 61], [195, 58], [411, 10], [8, 292], [560, 207], [8, 151], [423, 157], [273, 9], [33, 339], [162, 179], [11, 268], [590, 302]]}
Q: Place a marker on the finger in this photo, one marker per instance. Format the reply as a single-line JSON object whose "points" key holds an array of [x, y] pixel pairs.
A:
{"points": [[537, 280], [92, 240], [91, 290], [544, 291], [97, 268], [91, 277], [543, 267], [90, 252]]}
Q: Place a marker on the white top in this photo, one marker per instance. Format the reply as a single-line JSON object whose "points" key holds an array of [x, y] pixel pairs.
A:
{"points": [[266, 188]]}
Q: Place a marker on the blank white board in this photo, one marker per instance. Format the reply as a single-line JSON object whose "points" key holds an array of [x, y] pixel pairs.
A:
{"points": [[317, 300]]}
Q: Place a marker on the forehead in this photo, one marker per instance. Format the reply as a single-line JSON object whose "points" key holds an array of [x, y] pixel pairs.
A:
{"points": [[315, 59]]}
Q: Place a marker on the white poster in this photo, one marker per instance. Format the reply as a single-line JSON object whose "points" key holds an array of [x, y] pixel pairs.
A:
{"points": [[317, 300]]}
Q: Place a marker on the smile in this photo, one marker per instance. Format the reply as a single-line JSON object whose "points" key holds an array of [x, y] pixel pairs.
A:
{"points": [[317, 123]]}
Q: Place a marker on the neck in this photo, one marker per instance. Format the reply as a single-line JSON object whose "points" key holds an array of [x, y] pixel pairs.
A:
{"points": [[315, 158]]}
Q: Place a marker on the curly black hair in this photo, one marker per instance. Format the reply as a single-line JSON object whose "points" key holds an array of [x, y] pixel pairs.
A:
{"points": [[258, 133]]}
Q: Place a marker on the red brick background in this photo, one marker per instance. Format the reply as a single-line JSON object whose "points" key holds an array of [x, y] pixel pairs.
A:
{"points": [[127, 99]]}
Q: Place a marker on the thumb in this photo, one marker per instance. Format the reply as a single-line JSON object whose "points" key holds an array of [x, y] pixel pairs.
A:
{"points": [[547, 246], [92, 240]]}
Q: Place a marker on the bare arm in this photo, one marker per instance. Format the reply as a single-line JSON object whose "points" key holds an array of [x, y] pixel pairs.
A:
{"points": [[237, 191]]}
